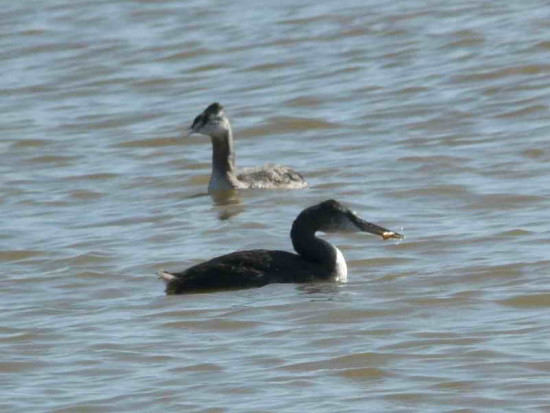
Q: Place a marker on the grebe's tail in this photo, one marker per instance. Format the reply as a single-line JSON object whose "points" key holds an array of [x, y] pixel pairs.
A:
{"points": [[165, 276]]}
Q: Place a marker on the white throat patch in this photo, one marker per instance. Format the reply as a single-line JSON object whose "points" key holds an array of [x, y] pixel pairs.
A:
{"points": [[341, 270]]}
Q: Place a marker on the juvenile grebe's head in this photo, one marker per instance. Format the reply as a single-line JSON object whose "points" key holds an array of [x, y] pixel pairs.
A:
{"points": [[335, 217], [211, 122]]}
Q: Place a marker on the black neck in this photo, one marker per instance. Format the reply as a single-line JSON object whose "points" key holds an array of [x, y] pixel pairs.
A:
{"points": [[309, 246]]}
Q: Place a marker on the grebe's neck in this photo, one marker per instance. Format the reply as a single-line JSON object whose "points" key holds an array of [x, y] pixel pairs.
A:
{"points": [[315, 249], [223, 162]]}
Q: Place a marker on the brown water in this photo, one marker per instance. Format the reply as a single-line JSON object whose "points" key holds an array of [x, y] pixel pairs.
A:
{"points": [[426, 117]]}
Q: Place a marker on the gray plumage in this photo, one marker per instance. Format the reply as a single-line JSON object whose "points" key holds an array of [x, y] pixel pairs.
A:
{"points": [[271, 177], [214, 123]]}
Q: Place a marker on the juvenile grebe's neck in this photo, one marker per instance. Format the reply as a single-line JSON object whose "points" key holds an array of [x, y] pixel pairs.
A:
{"points": [[223, 161]]}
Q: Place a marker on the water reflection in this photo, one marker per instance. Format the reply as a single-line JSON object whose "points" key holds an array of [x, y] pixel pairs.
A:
{"points": [[228, 203], [326, 290]]}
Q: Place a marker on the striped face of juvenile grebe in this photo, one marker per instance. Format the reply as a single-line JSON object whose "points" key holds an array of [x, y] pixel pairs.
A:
{"points": [[211, 122]]}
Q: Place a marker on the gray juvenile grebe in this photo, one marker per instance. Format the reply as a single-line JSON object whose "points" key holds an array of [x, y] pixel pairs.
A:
{"points": [[214, 123], [317, 259]]}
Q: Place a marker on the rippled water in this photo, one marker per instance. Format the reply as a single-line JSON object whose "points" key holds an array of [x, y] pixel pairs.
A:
{"points": [[431, 117]]}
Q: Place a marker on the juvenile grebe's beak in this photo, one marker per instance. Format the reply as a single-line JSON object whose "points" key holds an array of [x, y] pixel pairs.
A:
{"points": [[188, 132]]}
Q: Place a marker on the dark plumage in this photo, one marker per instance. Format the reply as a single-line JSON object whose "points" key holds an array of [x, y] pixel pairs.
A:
{"points": [[246, 269], [316, 259]]}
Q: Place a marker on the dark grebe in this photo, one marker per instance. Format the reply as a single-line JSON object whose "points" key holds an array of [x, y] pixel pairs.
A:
{"points": [[214, 123], [317, 259]]}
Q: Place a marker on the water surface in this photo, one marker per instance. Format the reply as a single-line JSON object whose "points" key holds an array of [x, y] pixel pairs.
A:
{"points": [[426, 117]]}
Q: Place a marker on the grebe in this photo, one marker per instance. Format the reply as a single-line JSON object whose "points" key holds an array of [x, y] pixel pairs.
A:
{"points": [[214, 123], [317, 259]]}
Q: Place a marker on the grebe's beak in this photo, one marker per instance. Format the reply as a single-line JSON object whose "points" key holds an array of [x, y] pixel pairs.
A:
{"points": [[188, 132], [365, 226], [348, 221]]}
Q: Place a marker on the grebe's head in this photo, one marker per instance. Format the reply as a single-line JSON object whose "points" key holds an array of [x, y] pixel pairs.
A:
{"points": [[211, 122], [332, 216]]}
